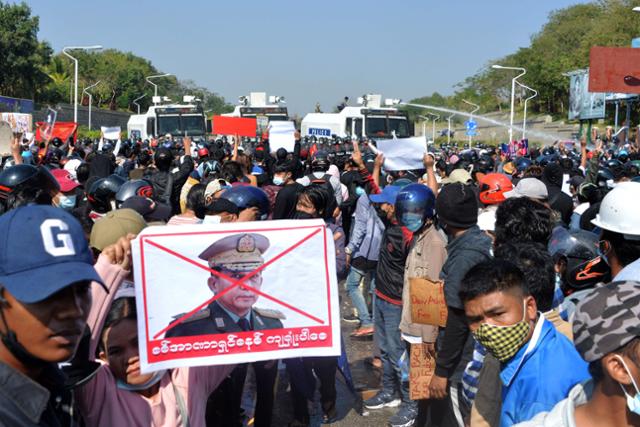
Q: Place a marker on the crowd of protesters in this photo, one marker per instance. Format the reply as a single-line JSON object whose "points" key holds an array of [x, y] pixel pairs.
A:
{"points": [[536, 255]]}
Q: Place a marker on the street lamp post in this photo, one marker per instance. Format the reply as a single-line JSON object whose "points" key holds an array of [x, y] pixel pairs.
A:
{"points": [[86, 90], [155, 86], [436, 117], [449, 128], [424, 127], [477, 107], [524, 120], [75, 74], [135, 101], [513, 90]]}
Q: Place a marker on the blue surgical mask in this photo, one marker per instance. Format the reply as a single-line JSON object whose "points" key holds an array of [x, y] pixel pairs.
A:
{"points": [[360, 191], [67, 202], [277, 180], [633, 402], [413, 221]]}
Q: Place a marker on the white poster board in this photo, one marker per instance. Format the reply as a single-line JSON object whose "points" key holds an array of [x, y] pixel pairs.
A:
{"points": [[19, 122], [184, 317], [402, 153], [111, 132], [282, 135]]}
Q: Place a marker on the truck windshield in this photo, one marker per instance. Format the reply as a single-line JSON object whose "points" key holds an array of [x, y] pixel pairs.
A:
{"points": [[179, 125], [383, 126], [400, 125], [193, 125], [169, 124]]}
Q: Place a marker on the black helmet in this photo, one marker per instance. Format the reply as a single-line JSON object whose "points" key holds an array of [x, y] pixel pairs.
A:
{"points": [[320, 161], [103, 191], [605, 178], [248, 196], [136, 187], [485, 164], [57, 142], [24, 176], [578, 249]]}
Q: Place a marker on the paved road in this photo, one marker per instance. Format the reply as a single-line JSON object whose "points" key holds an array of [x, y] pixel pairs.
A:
{"points": [[366, 381]]}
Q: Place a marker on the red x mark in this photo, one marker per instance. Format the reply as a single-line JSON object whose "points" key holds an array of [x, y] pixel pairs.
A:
{"points": [[234, 283]]}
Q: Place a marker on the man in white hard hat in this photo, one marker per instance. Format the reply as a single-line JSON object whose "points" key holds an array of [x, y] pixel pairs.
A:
{"points": [[619, 221]]}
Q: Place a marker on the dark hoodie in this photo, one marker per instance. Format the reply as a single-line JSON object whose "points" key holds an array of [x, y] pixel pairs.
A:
{"points": [[559, 201]]}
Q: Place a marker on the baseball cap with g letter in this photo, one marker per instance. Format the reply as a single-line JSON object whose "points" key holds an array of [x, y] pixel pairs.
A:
{"points": [[42, 250]]}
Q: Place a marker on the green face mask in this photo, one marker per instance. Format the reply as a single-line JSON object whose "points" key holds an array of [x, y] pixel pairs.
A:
{"points": [[503, 341]]}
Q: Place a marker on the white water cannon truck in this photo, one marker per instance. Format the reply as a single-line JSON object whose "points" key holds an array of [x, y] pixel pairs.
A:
{"points": [[258, 106], [370, 120], [186, 119]]}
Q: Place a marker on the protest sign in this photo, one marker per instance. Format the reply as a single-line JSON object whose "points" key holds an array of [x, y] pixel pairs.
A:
{"points": [[428, 306], [282, 135], [110, 132], [62, 130], [402, 153], [280, 275], [223, 125], [6, 137], [46, 130], [20, 123], [422, 367]]}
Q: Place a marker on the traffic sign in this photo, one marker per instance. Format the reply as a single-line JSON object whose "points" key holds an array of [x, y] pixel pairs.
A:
{"points": [[471, 125], [471, 132]]}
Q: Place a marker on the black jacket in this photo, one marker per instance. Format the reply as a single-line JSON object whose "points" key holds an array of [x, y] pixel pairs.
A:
{"points": [[159, 180], [394, 249]]}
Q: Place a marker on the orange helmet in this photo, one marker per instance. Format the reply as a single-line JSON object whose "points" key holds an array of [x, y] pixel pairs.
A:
{"points": [[492, 188]]}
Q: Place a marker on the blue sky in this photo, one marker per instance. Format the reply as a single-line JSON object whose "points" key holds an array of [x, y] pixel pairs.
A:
{"points": [[306, 51]]}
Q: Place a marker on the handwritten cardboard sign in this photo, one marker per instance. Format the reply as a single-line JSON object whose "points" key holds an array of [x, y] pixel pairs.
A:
{"points": [[428, 306], [422, 367]]}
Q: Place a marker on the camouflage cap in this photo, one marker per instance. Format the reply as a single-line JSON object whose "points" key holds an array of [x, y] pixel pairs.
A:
{"points": [[606, 319]]}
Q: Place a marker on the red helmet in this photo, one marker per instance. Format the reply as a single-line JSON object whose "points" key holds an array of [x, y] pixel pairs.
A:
{"points": [[492, 188], [203, 152]]}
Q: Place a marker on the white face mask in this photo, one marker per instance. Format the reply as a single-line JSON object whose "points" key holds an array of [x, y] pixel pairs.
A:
{"points": [[633, 402], [66, 202]]}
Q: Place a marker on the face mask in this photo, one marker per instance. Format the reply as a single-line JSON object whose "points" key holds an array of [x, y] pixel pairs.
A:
{"points": [[155, 378], [633, 402], [412, 221], [360, 191], [303, 215], [278, 180], [66, 202], [503, 341]]}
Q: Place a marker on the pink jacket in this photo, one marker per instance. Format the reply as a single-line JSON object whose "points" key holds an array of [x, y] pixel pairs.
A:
{"points": [[102, 403]]}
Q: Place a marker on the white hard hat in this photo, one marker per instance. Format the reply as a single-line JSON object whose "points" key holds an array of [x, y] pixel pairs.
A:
{"points": [[619, 211]]}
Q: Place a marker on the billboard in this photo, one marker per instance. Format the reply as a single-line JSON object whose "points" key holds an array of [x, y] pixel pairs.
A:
{"points": [[583, 104], [614, 69]]}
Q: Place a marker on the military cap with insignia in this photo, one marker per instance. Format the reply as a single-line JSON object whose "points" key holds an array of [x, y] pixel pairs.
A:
{"points": [[238, 252]]}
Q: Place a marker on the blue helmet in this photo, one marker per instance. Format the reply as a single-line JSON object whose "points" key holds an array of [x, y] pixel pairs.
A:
{"points": [[248, 196], [415, 204], [522, 163]]}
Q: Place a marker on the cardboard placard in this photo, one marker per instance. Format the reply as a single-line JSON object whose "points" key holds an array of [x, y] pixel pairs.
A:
{"points": [[223, 125], [422, 367], [428, 306]]}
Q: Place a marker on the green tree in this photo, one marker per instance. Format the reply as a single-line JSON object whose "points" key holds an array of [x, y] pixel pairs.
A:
{"points": [[22, 56]]}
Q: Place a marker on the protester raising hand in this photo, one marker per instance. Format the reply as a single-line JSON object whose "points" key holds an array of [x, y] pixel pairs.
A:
{"points": [[120, 252]]}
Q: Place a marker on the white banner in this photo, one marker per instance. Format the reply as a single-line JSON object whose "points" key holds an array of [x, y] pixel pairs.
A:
{"points": [[19, 122], [281, 134], [402, 153], [195, 284], [111, 132]]}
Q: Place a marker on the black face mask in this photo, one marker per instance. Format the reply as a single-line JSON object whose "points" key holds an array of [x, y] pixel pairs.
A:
{"points": [[302, 215], [382, 215]]}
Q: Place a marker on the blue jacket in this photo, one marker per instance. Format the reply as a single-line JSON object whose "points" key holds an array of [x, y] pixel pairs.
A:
{"points": [[367, 231], [540, 375]]}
